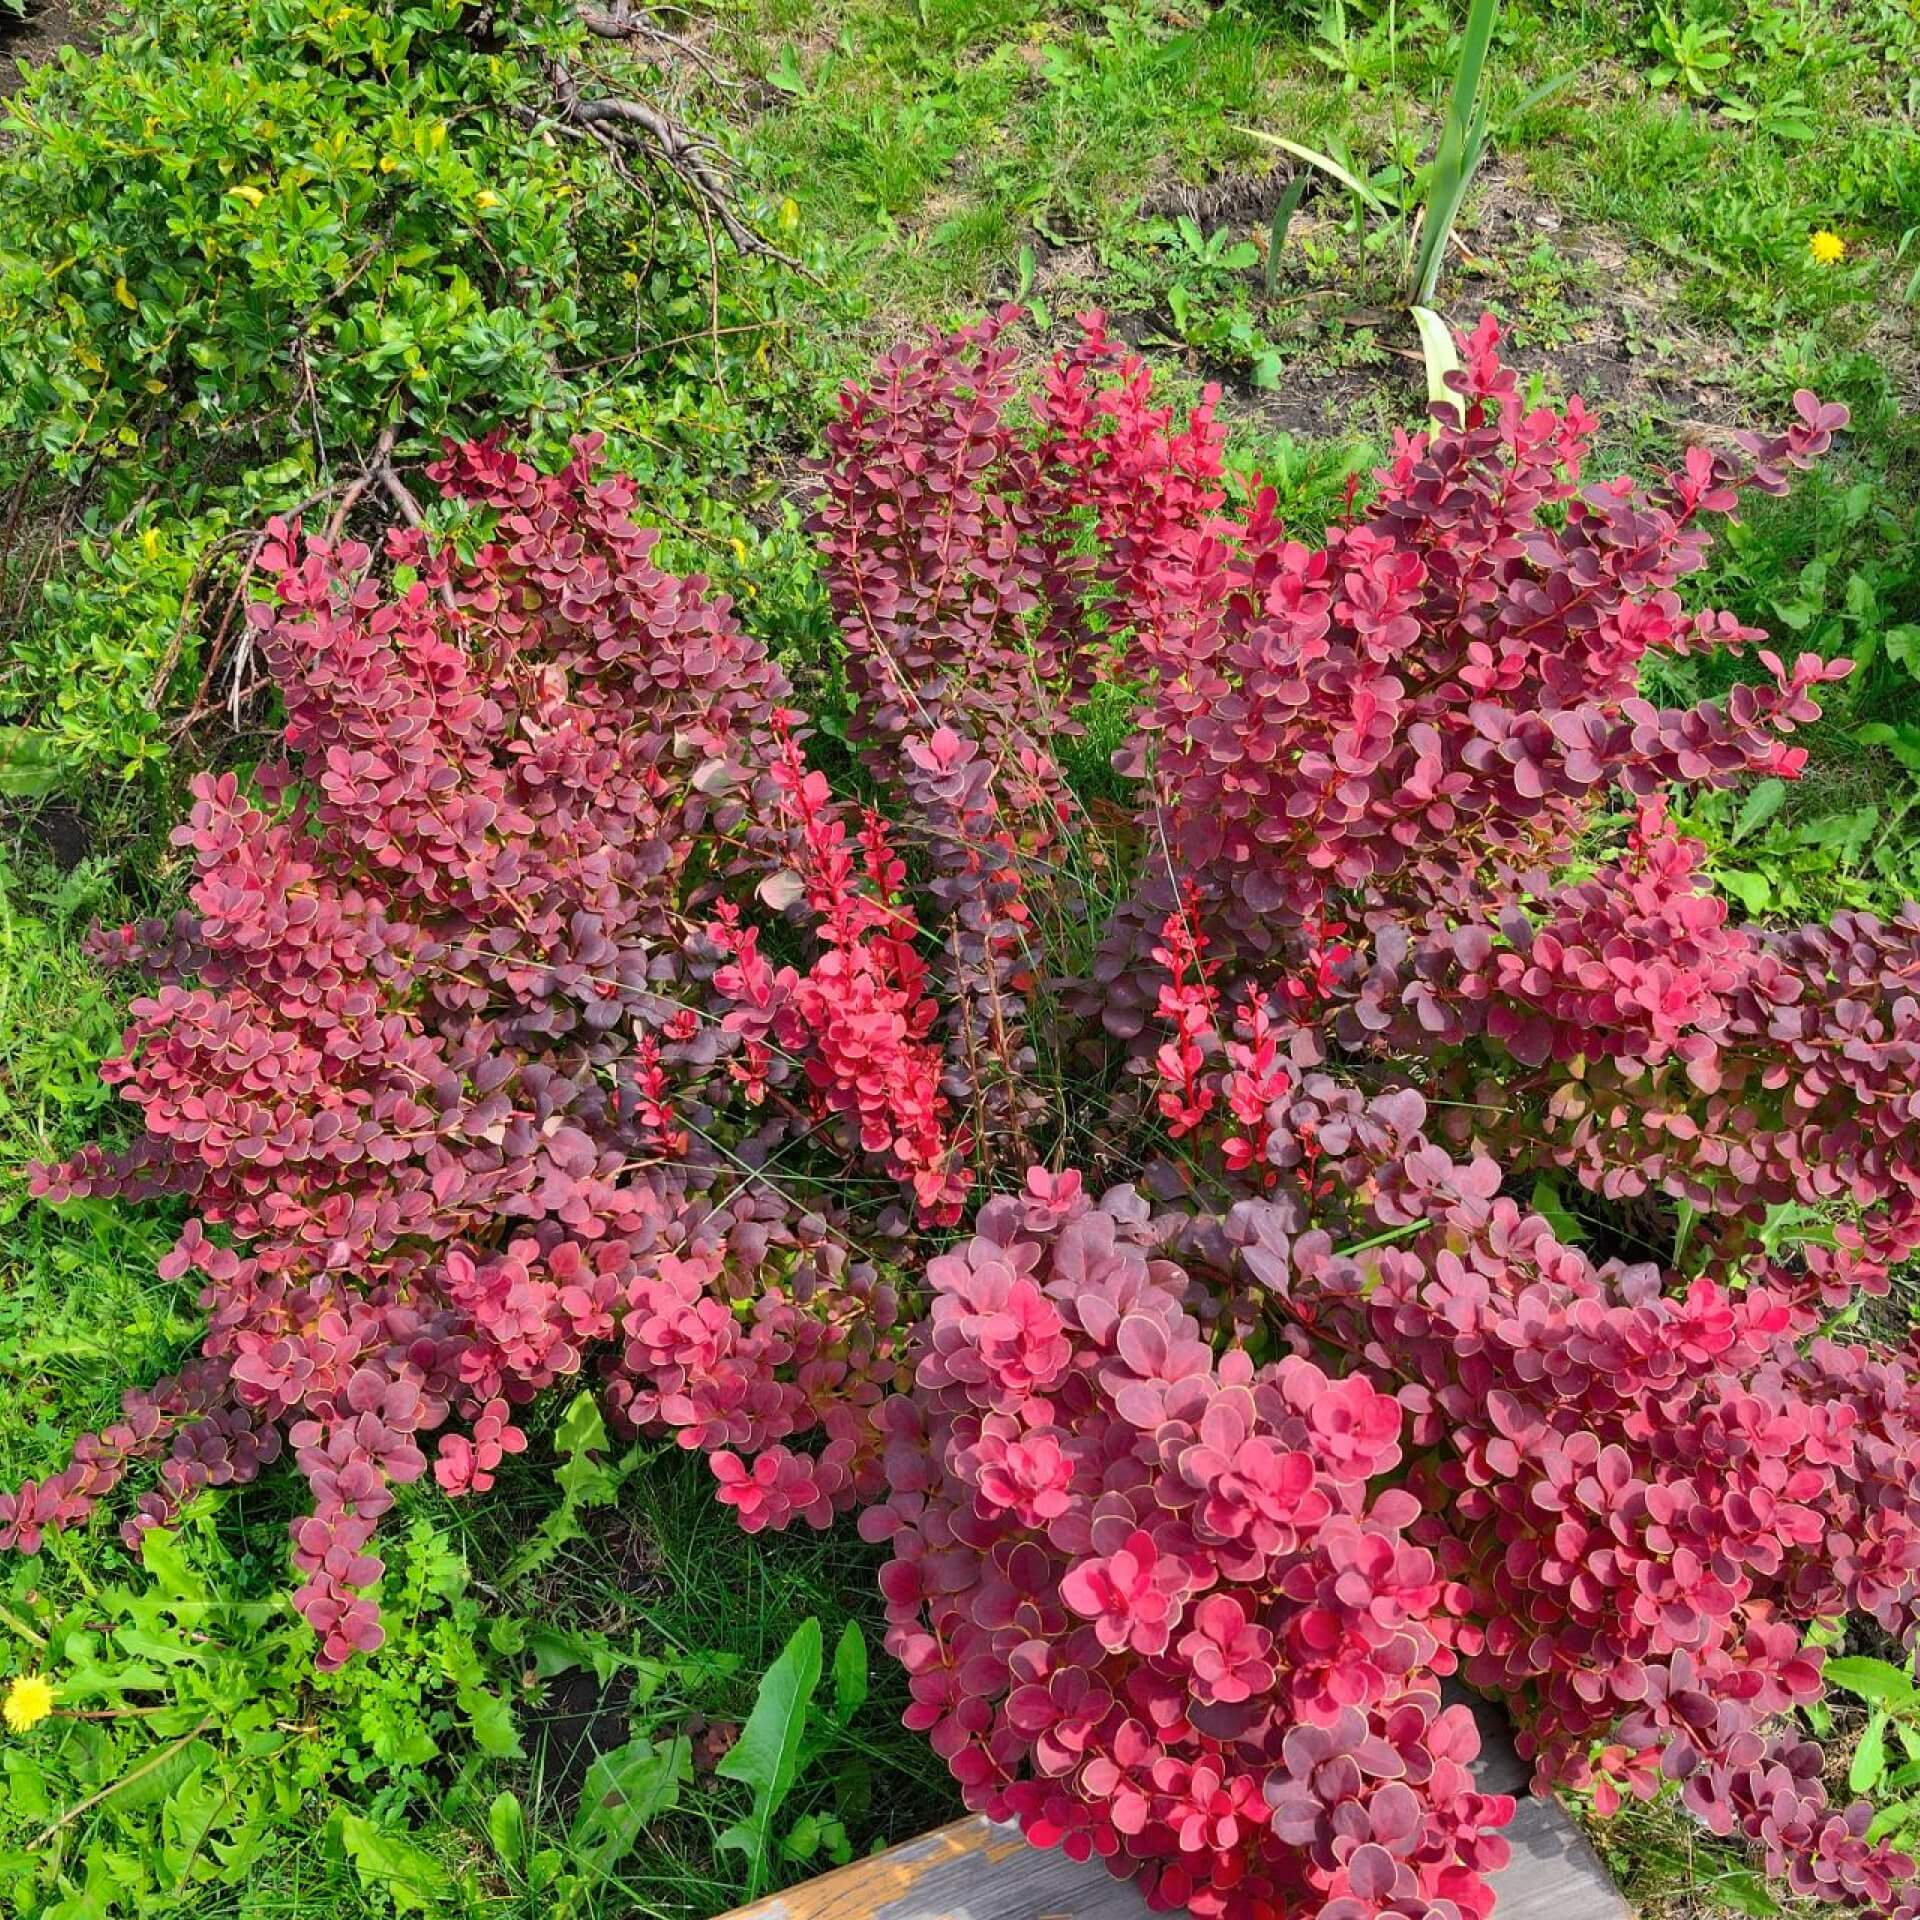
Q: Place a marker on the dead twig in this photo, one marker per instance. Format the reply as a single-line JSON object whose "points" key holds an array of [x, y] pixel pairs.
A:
{"points": [[621, 126], [398, 492], [623, 24], [380, 467], [131, 518], [381, 455], [209, 561]]}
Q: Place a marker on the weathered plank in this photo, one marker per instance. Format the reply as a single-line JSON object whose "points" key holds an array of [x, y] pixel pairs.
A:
{"points": [[974, 1871]]}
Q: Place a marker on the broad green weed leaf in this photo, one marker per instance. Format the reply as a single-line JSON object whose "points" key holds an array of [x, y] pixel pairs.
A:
{"points": [[1902, 741], [581, 1428], [849, 1672], [1869, 1757], [1753, 890], [507, 1829], [26, 1783], [491, 1721], [147, 1783], [160, 1550], [625, 1790], [169, 1649], [1759, 807], [1894, 1819], [409, 1876], [555, 1650], [1746, 1893], [1546, 1202], [1877, 1680], [766, 1757], [30, 766]]}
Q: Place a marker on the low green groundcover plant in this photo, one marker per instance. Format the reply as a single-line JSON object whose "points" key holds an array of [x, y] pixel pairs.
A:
{"points": [[251, 251], [1130, 1213]]}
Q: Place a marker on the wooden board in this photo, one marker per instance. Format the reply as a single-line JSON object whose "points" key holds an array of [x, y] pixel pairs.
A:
{"points": [[974, 1871]]}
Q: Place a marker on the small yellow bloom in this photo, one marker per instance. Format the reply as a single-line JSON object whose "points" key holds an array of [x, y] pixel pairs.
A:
{"points": [[29, 1701], [1827, 247], [485, 199]]}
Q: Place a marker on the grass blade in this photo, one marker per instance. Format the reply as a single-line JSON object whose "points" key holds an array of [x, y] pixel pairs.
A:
{"points": [[1282, 220], [1442, 358], [1544, 92], [1463, 143], [1325, 162]]}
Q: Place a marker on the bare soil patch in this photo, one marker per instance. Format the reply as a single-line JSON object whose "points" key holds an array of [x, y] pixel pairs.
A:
{"points": [[37, 38], [1589, 311]]}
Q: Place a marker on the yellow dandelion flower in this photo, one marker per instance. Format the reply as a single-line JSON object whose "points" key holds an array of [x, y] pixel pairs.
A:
{"points": [[29, 1701], [1826, 247]]}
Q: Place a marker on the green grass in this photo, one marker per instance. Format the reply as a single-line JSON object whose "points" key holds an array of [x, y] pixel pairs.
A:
{"points": [[79, 1301], [666, 1573]]}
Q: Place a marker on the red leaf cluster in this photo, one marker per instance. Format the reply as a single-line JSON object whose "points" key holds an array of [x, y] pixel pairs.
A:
{"points": [[1160, 1605], [547, 1017], [445, 1066]]}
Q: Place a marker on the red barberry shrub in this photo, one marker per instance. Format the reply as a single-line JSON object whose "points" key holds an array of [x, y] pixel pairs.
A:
{"points": [[976, 570], [1649, 1488], [1641, 1042], [1426, 711], [1160, 1604], [1424, 707], [546, 1015], [466, 1018]]}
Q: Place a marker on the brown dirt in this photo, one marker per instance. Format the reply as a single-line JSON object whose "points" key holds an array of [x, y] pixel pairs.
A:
{"points": [[1625, 302], [46, 29], [1617, 331], [580, 1720], [63, 833]]}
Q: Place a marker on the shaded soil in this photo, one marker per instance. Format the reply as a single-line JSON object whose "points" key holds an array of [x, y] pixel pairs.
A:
{"points": [[582, 1719], [1587, 310], [64, 833], [47, 28]]}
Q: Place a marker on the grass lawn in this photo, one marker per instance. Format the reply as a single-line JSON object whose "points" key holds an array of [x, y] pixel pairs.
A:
{"points": [[596, 1626]]}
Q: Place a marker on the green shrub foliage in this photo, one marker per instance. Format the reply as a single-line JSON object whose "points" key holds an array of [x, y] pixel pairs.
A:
{"points": [[251, 248]]}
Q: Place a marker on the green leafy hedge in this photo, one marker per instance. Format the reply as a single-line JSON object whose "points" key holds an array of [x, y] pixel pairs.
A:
{"points": [[246, 240]]}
